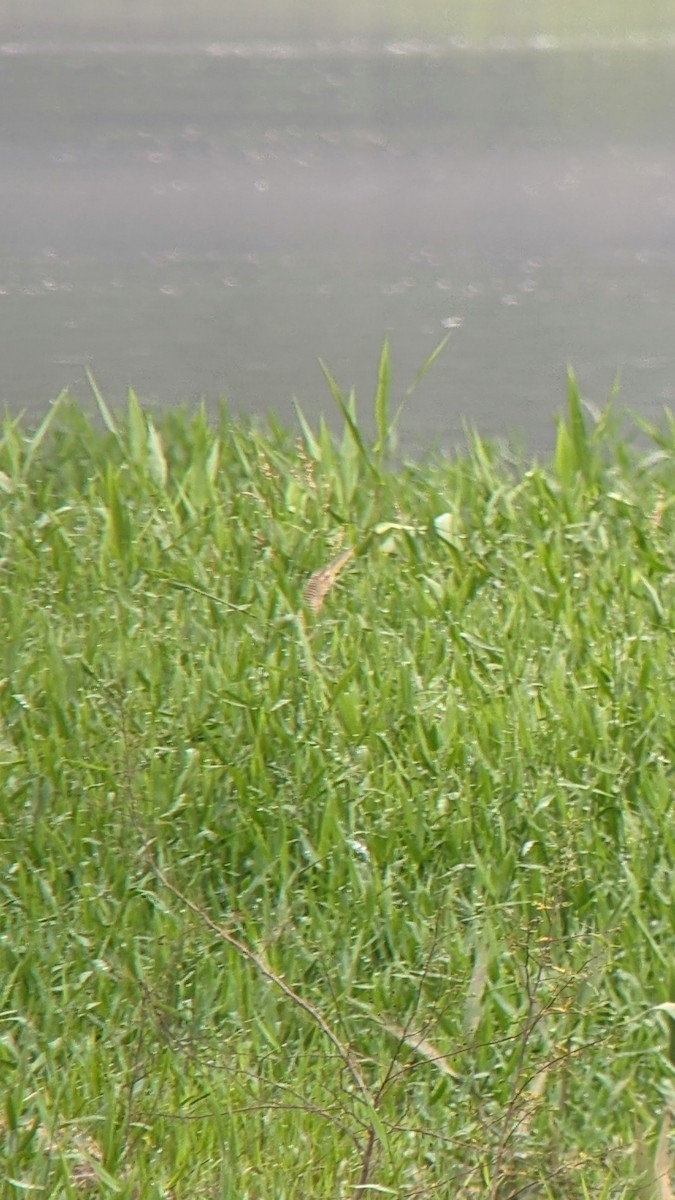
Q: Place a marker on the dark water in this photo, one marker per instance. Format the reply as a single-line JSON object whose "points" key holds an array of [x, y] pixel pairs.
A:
{"points": [[198, 219]]}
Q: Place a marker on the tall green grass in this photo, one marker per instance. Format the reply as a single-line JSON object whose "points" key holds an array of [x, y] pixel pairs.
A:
{"points": [[377, 900]]}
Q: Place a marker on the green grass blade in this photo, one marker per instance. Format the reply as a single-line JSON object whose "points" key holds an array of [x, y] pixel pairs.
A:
{"points": [[42, 431], [578, 434], [350, 423], [157, 465], [119, 537], [106, 415], [381, 400], [419, 375], [137, 427], [311, 445], [442, 811]]}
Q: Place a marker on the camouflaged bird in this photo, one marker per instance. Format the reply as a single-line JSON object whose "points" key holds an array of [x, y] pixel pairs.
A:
{"points": [[319, 584]]}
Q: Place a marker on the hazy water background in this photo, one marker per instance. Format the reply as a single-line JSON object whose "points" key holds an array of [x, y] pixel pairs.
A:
{"points": [[203, 203]]}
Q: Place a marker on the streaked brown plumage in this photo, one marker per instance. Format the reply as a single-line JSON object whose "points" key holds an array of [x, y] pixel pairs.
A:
{"points": [[319, 584]]}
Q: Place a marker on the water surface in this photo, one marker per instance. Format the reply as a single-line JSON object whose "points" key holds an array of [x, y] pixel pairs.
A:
{"points": [[206, 218]]}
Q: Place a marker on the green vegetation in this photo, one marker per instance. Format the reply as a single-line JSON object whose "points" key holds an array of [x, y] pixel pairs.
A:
{"points": [[375, 899]]}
